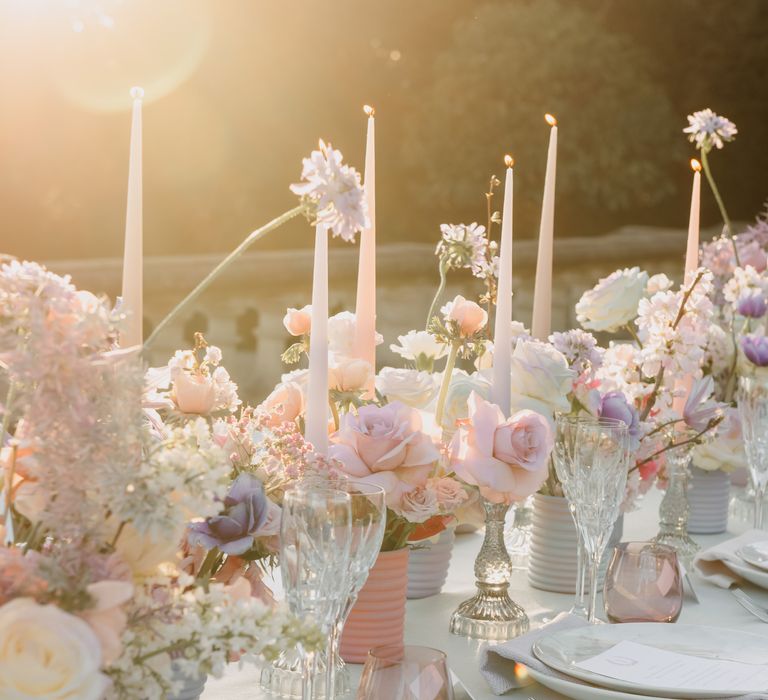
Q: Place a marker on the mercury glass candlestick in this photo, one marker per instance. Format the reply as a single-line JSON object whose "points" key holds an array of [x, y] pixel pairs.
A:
{"points": [[674, 508], [491, 614]]}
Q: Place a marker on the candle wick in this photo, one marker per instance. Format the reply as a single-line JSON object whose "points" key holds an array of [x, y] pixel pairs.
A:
{"points": [[137, 93]]}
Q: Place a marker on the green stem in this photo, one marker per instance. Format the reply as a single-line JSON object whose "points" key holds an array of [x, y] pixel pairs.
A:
{"points": [[447, 375], [335, 412], [634, 335], [211, 276], [443, 270], [7, 410], [208, 566], [720, 203]]}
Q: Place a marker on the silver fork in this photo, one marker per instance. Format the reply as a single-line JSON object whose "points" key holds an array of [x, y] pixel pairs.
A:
{"points": [[749, 604]]}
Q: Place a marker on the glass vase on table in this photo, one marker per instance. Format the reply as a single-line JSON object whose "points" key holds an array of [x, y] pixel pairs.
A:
{"points": [[753, 408]]}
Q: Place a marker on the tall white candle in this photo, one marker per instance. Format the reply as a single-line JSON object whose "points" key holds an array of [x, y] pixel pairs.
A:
{"points": [[542, 293], [316, 416], [502, 334], [365, 310], [684, 384], [133, 257]]}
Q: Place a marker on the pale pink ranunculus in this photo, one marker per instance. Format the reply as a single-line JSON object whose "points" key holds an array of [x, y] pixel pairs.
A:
{"points": [[285, 403], [107, 617], [350, 374], [506, 459], [194, 393], [469, 316], [385, 445], [298, 321]]}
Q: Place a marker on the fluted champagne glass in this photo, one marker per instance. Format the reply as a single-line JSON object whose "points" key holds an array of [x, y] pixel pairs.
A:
{"points": [[753, 409]]}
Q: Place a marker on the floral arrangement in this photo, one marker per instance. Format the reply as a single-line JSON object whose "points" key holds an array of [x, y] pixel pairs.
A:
{"points": [[94, 601]]}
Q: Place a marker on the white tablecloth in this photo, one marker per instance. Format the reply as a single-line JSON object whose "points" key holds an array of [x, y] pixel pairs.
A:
{"points": [[427, 619]]}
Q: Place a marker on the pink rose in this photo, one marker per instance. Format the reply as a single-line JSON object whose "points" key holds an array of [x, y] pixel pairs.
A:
{"points": [[350, 375], [385, 445], [286, 403], [507, 460], [194, 393], [419, 505], [107, 617], [298, 321], [450, 493], [469, 316]]}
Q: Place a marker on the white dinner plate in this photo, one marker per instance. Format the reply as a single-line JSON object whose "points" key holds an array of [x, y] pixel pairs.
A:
{"points": [[580, 691], [563, 650], [755, 554], [751, 573]]}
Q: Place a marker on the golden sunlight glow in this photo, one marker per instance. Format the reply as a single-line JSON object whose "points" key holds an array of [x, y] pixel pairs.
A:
{"points": [[370, 111], [695, 165], [509, 161], [550, 119]]}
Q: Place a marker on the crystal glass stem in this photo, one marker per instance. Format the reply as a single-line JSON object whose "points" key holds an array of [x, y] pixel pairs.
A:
{"points": [[308, 677], [674, 508], [594, 571], [491, 614], [579, 608], [759, 505]]}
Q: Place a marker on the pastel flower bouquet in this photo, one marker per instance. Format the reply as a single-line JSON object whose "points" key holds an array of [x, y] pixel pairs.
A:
{"points": [[94, 597]]}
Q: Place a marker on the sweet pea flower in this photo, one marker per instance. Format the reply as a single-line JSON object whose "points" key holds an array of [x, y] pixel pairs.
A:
{"points": [[469, 316], [506, 459], [384, 445], [755, 348], [246, 509], [615, 405], [298, 321], [193, 393]]}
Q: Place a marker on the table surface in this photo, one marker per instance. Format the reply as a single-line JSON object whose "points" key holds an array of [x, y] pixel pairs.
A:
{"points": [[427, 619]]}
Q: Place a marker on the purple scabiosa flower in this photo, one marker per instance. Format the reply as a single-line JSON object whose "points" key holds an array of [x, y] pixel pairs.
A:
{"points": [[615, 405], [232, 531], [752, 306], [755, 347]]}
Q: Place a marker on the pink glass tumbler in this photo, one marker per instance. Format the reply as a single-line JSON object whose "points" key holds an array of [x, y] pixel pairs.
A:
{"points": [[405, 673], [643, 584]]}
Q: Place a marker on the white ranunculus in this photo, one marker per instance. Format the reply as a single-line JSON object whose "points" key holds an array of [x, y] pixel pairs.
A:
{"points": [[341, 334], [541, 378], [409, 386], [726, 450], [48, 653], [462, 385], [415, 343], [613, 301]]}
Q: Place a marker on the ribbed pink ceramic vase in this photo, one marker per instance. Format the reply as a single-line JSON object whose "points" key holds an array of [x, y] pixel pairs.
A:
{"points": [[378, 616]]}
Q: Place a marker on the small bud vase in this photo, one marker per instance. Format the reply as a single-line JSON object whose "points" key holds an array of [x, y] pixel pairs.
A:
{"points": [[491, 614], [674, 508]]}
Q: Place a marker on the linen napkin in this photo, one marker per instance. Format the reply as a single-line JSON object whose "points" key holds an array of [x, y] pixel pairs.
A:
{"points": [[497, 662], [712, 563]]}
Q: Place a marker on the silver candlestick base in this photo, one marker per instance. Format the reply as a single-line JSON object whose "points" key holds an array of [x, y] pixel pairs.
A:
{"points": [[491, 614]]}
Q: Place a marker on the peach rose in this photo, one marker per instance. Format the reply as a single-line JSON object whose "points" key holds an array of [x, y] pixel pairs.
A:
{"points": [[385, 445], [350, 375], [469, 316], [298, 321], [194, 393], [507, 460], [286, 402]]}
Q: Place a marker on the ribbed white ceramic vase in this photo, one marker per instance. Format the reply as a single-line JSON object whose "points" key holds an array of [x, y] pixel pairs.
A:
{"points": [[709, 495], [553, 558], [428, 564]]}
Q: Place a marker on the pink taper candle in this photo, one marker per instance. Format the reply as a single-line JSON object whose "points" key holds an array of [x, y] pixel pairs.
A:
{"points": [[365, 309], [133, 257], [316, 416], [684, 384], [542, 293], [501, 389]]}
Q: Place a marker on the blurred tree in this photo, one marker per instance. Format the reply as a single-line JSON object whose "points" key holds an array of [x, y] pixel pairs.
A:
{"points": [[510, 63]]}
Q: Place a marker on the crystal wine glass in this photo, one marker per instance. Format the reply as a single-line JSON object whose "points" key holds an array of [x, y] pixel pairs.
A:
{"points": [[563, 456], [595, 471], [753, 408], [315, 541]]}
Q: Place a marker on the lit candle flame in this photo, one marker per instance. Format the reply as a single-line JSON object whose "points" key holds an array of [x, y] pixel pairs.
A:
{"points": [[509, 161], [370, 111], [550, 119], [695, 165]]}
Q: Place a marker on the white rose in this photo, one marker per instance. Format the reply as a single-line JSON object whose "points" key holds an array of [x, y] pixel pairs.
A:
{"points": [[462, 385], [341, 334], [519, 332], [415, 343], [409, 386], [48, 653], [613, 302], [726, 451], [541, 378]]}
